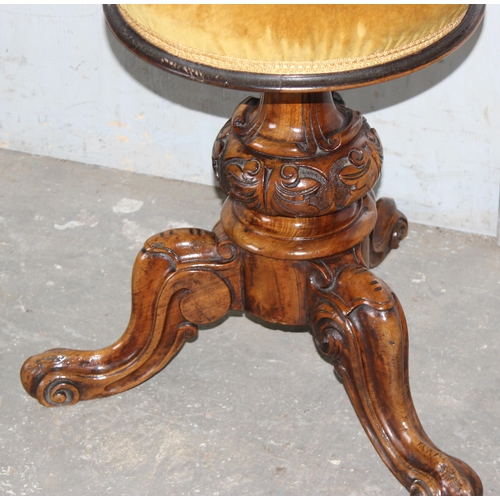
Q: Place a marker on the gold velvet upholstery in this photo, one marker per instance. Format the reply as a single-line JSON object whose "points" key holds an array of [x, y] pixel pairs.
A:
{"points": [[292, 39]]}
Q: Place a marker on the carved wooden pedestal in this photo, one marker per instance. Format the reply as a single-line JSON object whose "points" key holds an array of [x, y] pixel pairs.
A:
{"points": [[296, 238]]}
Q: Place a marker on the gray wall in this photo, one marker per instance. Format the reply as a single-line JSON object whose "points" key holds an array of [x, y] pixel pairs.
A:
{"points": [[69, 90]]}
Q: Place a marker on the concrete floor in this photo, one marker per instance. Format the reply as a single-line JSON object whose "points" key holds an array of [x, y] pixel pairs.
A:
{"points": [[245, 409]]}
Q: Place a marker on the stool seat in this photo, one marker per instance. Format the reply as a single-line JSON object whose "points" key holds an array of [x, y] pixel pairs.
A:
{"points": [[368, 42]]}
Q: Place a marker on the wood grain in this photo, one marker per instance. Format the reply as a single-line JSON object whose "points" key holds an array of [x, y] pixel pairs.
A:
{"points": [[297, 236]]}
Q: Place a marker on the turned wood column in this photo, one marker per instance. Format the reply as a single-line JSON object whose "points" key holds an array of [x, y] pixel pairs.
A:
{"points": [[296, 155], [298, 169]]}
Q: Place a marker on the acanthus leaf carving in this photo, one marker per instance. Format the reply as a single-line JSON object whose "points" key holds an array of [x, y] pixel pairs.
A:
{"points": [[299, 187], [342, 169], [362, 166], [243, 180]]}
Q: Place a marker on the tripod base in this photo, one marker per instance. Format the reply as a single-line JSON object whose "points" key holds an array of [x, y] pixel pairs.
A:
{"points": [[296, 239]]}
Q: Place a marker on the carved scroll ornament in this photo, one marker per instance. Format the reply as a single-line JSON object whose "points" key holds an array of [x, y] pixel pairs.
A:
{"points": [[334, 176]]}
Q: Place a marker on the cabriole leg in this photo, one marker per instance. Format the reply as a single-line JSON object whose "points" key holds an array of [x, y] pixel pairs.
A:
{"points": [[357, 321], [181, 278]]}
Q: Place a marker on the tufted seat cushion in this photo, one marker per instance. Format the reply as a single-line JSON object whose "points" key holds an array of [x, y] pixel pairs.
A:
{"points": [[292, 39]]}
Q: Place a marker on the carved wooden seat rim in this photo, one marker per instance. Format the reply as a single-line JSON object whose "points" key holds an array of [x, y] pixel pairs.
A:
{"points": [[292, 82]]}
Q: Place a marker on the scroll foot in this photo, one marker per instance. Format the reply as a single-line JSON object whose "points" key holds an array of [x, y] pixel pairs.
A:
{"points": [[358, 322], [181, 278], [391, 227]]}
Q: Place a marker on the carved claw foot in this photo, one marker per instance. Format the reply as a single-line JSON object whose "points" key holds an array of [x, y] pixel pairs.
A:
{"points": [[181, 278], [358, 322], [391, 227]]}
